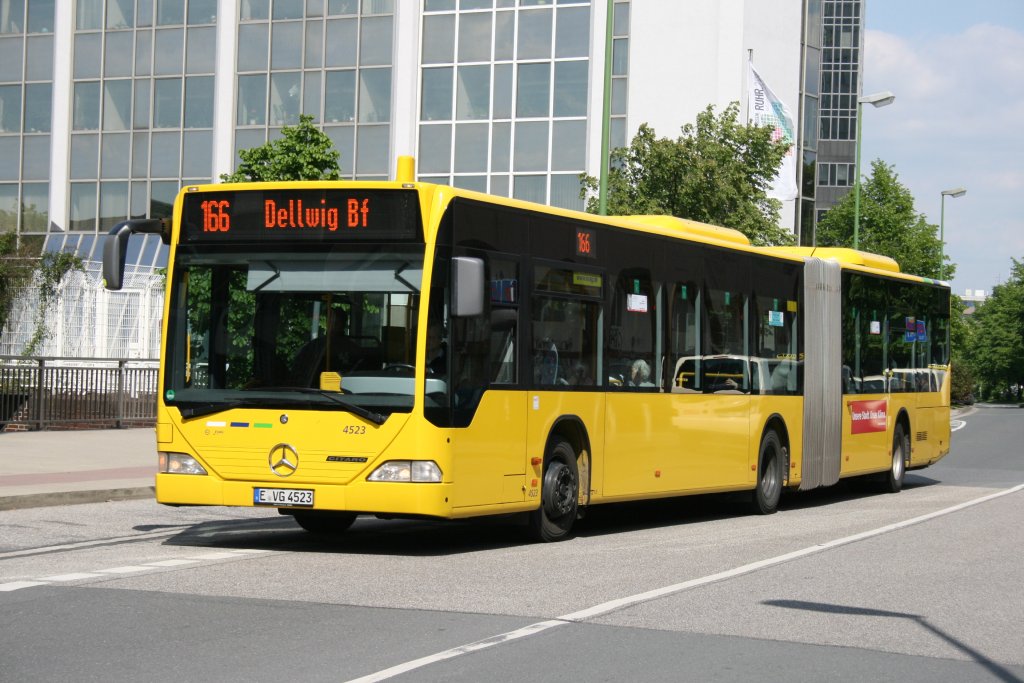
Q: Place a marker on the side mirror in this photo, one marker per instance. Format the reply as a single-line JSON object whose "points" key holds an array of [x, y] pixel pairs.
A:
{"points": [[467, 286], [115, 248]]}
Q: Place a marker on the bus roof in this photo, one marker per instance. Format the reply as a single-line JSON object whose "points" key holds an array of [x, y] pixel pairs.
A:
{"points": [[842, 255], [657, 224], [684, 226]]}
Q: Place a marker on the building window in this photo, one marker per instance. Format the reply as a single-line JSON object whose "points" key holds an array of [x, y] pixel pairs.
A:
{"points": [[142, 111], [26, 94], [330, 59], [840, 64], [522, 70], [835, 175]]}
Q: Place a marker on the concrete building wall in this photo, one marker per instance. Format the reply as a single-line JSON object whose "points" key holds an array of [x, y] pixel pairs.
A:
{"points": [[685, 56]]}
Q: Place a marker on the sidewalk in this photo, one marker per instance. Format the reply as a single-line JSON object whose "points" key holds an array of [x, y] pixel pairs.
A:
{"points": [[86, 466]]}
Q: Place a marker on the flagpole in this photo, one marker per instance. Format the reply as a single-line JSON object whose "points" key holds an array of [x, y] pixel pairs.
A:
{"points": [[746, 78], [602, 183]]}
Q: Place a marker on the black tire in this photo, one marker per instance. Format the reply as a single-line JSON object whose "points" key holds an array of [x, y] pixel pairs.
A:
{"points": [[770, 461], [559, 494], [892, 481], [325, 523]]}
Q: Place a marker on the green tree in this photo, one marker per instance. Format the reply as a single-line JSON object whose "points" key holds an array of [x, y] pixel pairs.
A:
{"points": [[997, 345], [717, 171], [889, 225], [21, 268], [50, 272], [303, 152], [961, 332], [18, 264]]}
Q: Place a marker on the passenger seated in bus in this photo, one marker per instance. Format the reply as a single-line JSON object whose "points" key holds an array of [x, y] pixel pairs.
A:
{"points": [[723, 375], [640, 373], [579, 376]]}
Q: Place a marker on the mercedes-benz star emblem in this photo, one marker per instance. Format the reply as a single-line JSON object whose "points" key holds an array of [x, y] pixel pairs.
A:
{"points": [[284, 460]]}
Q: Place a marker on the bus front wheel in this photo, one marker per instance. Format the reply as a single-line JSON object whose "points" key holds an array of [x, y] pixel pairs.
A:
{"points": [[325, 523], [560, 491], [770, 461]]}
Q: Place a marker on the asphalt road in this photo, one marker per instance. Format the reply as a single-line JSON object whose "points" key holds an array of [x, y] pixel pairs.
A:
{"points": [[841, 584]]}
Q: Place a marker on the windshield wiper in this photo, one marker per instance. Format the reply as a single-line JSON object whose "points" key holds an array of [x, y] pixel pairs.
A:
{"points": [[398, 276], [371, 415], [277, 274]]}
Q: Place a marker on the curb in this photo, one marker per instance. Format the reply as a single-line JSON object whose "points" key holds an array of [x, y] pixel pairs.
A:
{"points": [[36, 500]]}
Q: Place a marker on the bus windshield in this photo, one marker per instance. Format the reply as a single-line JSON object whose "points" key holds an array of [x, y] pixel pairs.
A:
{"points": [[329, 329]]}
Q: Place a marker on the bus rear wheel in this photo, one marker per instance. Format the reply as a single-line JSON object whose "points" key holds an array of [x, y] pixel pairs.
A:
{"points": [[892, 481], [560, 491], [325, 523], [770, 461]]}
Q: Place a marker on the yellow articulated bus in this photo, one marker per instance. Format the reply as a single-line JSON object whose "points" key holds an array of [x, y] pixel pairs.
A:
{"points": [[407, 349]]}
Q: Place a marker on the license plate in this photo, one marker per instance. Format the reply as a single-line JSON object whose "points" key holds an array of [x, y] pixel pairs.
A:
{"points": [[290, 497]]}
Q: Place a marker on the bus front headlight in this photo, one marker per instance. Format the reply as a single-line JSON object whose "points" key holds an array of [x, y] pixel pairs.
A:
{"points": [[178, 463], [416, 471]]}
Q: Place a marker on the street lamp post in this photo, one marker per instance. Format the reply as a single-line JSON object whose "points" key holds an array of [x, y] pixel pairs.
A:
{"points": [[878, 99], [955, 192]]}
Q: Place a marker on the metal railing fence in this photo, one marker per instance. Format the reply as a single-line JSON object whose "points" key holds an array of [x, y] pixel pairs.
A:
{"points": [[68, 393]]}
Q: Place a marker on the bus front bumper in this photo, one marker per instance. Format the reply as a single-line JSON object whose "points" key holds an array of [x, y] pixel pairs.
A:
{"points": [[390, 498]]}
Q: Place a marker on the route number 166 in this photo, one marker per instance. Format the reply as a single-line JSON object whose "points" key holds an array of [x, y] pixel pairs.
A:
{"points": [[215, 216]]}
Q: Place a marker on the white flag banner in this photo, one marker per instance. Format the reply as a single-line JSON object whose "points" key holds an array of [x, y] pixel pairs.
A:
{"points": [[765, 109]]}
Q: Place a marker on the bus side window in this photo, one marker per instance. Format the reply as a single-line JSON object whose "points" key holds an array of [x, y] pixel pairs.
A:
{"points": [[504, 315], [684, 336], [629, 348], [565, 325]]}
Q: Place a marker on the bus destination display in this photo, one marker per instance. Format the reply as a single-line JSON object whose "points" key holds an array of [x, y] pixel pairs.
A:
{"points": [[299, 215]]}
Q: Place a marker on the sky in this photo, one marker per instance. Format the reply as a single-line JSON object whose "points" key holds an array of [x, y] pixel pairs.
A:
{"points": [[957, 70]]}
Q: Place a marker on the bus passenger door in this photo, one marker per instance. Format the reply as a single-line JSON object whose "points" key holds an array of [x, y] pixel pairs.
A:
{"points": [[489, 413]]}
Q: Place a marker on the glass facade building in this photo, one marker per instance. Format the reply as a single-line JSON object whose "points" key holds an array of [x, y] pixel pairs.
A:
{"points": [[108, 107], [26, 100], [842, 47]]}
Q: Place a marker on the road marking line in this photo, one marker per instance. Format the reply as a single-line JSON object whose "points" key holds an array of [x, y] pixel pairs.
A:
{"points": [[70, 577], [18, 585], [252, 551], [956, 425], [629, 601], [88, 544], [214, 556], [129, 569], [461, 650]]}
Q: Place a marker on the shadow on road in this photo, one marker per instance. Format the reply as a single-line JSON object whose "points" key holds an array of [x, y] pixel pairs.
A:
{"points": [[430, 538], [994, 668]]}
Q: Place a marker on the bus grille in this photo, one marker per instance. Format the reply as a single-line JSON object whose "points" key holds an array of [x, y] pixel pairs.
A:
{"points": [[243, 464]]}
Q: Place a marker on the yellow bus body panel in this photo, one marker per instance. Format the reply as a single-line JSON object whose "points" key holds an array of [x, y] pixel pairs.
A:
{"points": [[489, 458], [641, 446]]}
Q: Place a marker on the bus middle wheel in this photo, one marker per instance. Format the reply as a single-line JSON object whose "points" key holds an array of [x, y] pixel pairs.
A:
{"points": [[560, 490]]}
